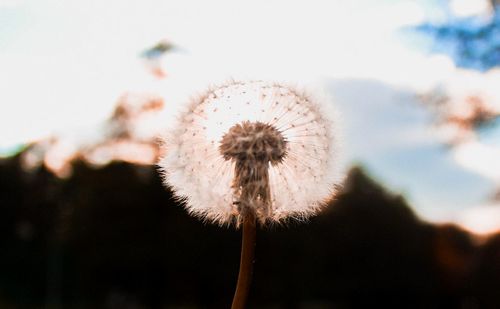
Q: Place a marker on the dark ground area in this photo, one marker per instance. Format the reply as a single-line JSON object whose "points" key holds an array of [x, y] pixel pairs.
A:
{"points": [[114, 238]]}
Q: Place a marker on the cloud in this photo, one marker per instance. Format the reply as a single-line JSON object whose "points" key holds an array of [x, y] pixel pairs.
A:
{"points": [[466, 8], [480, 158], [481, 219], [76, 58], [11, 3]]}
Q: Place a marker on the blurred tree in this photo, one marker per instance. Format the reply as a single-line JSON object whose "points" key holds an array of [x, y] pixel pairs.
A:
{"points": [[113, 237], [153, 57]]}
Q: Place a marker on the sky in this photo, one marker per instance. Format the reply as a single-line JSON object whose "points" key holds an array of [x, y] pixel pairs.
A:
{"points": [[64, 64]]}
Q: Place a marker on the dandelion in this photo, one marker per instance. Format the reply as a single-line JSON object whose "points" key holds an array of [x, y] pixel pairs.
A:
{"points": [[247, 152], [275, 134]]}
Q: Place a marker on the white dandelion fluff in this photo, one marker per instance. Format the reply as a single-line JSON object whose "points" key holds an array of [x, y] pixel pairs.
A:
{"points": [[256, 147]]}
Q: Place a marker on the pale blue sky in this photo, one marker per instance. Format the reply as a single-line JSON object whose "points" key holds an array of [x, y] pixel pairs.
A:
{"points": [[389, 132]]}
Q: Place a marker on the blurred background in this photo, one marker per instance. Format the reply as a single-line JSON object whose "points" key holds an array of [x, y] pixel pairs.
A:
{"points": [[86, 88]]}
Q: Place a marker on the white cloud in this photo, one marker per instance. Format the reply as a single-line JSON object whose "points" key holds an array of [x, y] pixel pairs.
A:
{"points": [[75, 58], [11, 3], [481, 219], [465, 8], [480, 158]]}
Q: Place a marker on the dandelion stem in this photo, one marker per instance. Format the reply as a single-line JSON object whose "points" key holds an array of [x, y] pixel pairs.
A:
{"points": [[246, 262]]}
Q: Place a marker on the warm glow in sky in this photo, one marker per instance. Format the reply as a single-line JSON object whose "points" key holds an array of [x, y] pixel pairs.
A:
{"points": [[77, 57]]}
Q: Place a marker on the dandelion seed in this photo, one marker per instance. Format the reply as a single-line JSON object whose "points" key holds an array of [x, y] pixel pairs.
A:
{"points": [[270, 150]]}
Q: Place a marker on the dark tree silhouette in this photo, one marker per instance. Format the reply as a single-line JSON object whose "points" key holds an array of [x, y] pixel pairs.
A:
{"points": [[113, 237]]}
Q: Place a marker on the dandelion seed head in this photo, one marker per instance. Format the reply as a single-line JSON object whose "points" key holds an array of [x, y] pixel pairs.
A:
{"points": [[253, 146]]}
